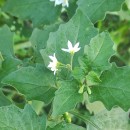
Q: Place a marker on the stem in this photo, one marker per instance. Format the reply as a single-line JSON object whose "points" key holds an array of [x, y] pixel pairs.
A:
{"points": [[71, 61], [1, 57], [84, 118]]}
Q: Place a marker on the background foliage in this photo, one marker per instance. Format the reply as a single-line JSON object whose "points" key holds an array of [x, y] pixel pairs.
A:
{"points": [[31, 97]]}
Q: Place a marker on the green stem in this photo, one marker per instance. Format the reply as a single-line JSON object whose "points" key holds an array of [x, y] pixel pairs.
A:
{"points": [[71, 61], [1, 57], [84, 118]]}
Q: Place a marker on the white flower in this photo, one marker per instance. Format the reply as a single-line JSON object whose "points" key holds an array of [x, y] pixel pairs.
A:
{"points": [[53, 64], [57, 2], [63, 2], [72, 49]]}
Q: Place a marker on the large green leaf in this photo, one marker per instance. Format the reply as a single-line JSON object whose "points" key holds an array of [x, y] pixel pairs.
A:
{"points": [[9, 62], [78, 29], [99, 51], [66, 127], [114, 88], [6, 41], [96, 9], [85, 117], [39, 39], [39, 11], [3, 100], [116, 119], [13, 118], [8, 65], [66, 97], [72, 8], [35, 83]]}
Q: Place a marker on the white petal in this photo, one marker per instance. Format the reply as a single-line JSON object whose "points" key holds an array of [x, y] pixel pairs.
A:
{"points": [[70, 45], [54, 72], [51, 57], [53, 68], [50, 65], [58, 2], [77, 49], [76, 45], [54, 55], [55, 59], [65, 3], [66, 50]]}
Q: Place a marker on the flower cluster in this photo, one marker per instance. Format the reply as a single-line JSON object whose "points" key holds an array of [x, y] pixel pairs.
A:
{"points": [[53, 65], [63, 2]]}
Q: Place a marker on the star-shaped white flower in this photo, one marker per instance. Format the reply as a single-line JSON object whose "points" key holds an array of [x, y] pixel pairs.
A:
{"points": [[53, 64], [63, 2], [72, 49]]}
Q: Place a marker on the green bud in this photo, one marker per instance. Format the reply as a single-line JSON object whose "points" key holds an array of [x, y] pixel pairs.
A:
{"points": [[81, 90], [67, 117], [89, 90]]}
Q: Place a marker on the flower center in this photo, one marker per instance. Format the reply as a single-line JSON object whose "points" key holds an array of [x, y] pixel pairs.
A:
{"points": [[72, 52]]}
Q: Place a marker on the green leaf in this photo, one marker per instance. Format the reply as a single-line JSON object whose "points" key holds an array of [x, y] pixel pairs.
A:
{"points": [[72, 8], [86, 118], [6, 41], [78, 29], [66, 97], [99, 51], [3, 100], [116, 119], [39, 11], [9, 62], [9, 65], [78, 74], [66, 127], [34, 83], [114, 88], [84, 63], [92, 78], [2, 2], [13, 118], [39, 39], [96, 9]]}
